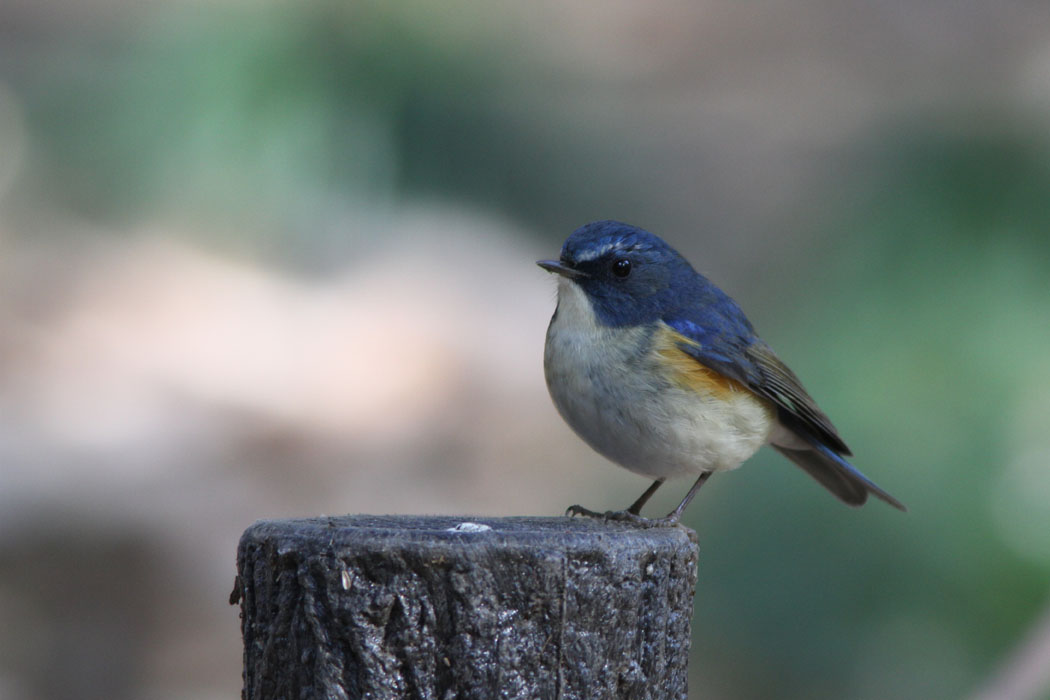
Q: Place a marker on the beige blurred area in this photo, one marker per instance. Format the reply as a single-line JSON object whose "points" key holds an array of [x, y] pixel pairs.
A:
{"points": [[157, 397], [263, 259]]}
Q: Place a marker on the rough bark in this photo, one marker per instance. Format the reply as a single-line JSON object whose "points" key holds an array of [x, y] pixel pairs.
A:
{"points": [[414, 607]]}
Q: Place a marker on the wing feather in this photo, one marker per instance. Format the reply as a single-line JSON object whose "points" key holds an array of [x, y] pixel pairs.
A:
{"points": [[729, 345], [778, 383]]}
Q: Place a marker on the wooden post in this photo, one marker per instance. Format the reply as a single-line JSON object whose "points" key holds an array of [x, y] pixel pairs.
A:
{"points": [[385, 607]]}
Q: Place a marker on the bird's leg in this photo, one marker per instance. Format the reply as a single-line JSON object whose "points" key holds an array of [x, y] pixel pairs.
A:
{"points": [[631, 516], [635, 519], [633, 510], [675, 514], [636, 507]]}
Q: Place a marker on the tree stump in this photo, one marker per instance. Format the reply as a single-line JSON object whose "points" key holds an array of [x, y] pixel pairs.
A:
{"points": [[386, 607]]}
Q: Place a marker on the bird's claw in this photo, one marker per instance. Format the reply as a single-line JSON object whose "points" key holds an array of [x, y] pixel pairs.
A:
{"points": [[623, 516], [573, 511]]}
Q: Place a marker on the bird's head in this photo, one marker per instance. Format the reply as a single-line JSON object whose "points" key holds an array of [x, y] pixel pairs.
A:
{"points": [[628, 275]]}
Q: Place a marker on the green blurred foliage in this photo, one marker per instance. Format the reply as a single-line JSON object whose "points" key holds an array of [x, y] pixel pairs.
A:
{"points": [[928, 325], [277, 116]]}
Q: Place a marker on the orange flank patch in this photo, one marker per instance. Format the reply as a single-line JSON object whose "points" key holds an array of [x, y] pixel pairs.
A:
{"points": [[686, 371]]}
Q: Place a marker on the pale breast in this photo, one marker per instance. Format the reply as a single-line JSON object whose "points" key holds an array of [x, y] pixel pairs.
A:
{"points": [[618, 390]]}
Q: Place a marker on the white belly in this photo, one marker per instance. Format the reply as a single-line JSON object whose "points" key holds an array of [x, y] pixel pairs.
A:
{"points": [[611, 388]]}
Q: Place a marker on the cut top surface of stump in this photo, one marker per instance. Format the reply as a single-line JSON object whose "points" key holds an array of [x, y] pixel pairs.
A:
{"points": [[565, 533]]}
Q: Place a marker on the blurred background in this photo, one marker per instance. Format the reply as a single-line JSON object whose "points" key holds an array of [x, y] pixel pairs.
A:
{"points": [[266, 259]]}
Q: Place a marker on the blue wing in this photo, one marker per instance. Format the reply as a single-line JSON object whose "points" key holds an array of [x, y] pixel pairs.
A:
{"points": [[721, 338], [724, 340]]}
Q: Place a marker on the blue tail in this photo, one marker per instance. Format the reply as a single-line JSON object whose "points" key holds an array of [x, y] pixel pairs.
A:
{"points": [[837, 475]]}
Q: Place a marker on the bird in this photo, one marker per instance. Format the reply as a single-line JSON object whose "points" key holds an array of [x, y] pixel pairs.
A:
{"points": [[659, 370]]}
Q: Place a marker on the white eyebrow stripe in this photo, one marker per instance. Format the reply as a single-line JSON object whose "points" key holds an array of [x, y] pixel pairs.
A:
{"points": [[589, 255]]}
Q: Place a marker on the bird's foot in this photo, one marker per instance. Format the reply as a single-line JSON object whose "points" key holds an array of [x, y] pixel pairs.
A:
{"points": [[623, 516], [573, 511]]}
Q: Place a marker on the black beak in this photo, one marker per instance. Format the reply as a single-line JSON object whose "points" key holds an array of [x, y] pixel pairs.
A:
{"points": [[560, 268]]}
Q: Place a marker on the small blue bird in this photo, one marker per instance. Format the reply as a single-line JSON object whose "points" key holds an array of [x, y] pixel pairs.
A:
{"points": [[659, 370]]}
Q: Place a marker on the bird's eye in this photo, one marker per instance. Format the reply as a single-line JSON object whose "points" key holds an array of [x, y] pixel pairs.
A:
{"points": [[621, 267]]}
